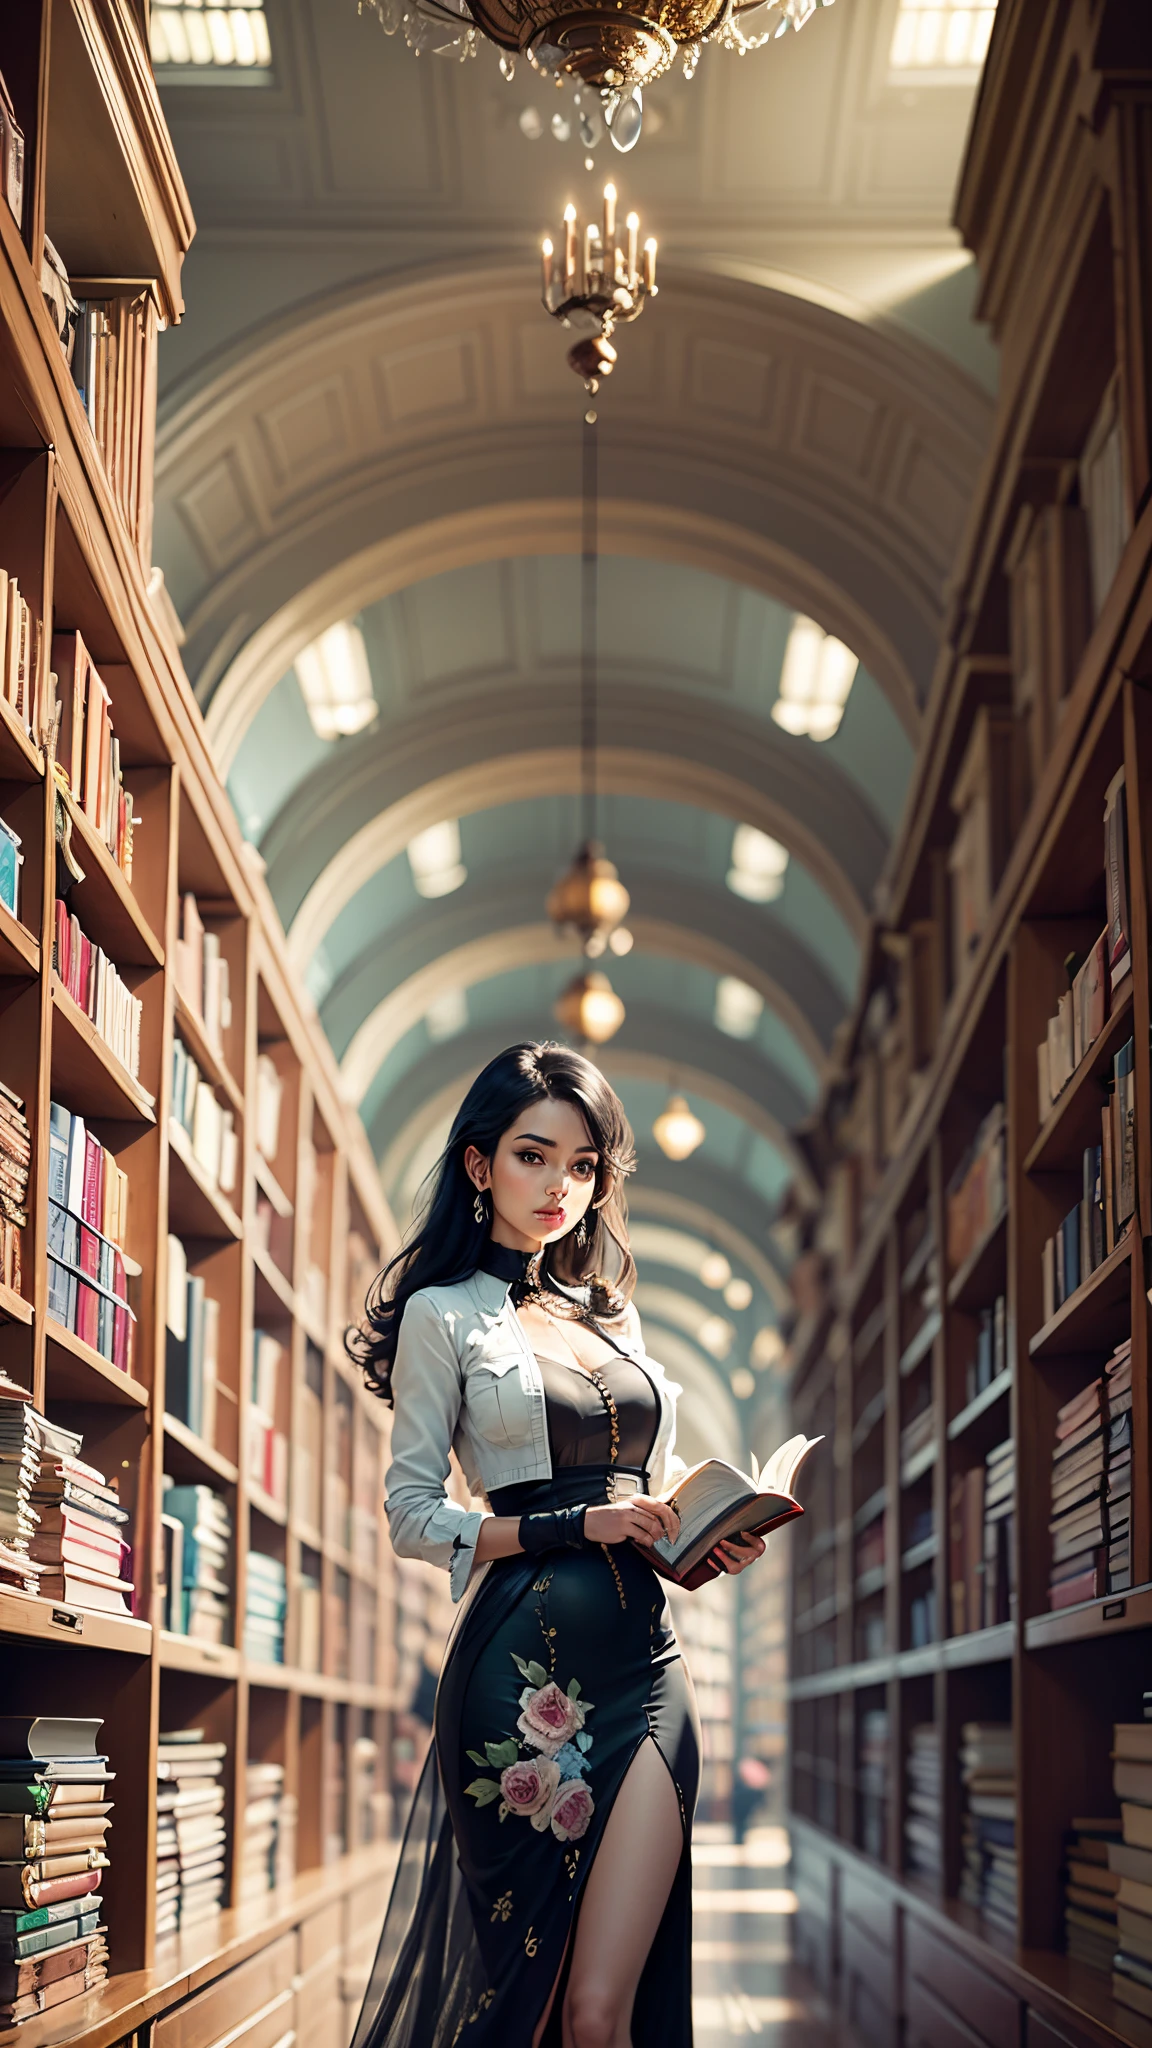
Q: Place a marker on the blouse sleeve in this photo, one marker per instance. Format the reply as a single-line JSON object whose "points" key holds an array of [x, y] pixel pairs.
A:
{"points": [[426, 1390]]}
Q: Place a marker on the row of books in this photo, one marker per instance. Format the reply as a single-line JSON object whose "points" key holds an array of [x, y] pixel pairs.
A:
{"points": [[201, 972], [268, 1848], [196, 1524], [21, 681], [981, 1550], [988, 1878], [1091, 1549], [191, 1835], [61, 1523], [269, 1101], [11, 862], [88, 749], [11, 156], [923, 1835], [872, 1781], [309, 1613], [266, 1445], [92, 981], [15, 1166], [923, 1626], [192, 1346], [209, 1129], [1107, 1195], [265, 1608], [1080, 1017], [990, 1357], [917, 1434], [54, 1821], [88, 1267], [977, 1190], [113, 368]]}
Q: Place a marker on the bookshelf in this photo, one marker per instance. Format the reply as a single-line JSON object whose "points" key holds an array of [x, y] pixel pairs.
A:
{"points": [[282, 1244], [929, 1613]]}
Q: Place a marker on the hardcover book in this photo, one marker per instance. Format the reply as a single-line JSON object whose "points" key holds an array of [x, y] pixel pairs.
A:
{"points": [[714, 1500]]}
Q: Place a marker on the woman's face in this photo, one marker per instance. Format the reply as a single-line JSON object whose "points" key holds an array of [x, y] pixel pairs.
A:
{"points": [[541, 1177]]}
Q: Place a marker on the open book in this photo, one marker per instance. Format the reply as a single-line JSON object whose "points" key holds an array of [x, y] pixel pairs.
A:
{"points": [[715, 1500]]}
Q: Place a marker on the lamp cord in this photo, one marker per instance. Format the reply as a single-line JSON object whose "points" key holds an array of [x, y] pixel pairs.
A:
{"points": [[589, 593]]}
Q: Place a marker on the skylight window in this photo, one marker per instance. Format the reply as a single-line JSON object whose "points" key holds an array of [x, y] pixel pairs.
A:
{"points": [[940, 40], [817, 675], [434, 858], [336, 681], [194, 43], [759, 865]]}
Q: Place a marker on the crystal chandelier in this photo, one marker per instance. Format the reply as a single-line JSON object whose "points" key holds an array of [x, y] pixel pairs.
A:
{"points": [[597, 288], [614, 46]]}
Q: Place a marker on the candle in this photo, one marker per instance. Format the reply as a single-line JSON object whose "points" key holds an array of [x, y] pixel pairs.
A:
{"points": [[569, 244], [650, 265], [546, 267], [610, 229], [633, 243], [591, 255]]}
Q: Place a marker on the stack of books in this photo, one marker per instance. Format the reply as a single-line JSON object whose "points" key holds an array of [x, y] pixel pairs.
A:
{"points": [[54, 1822], [202, 973], [197, 1529], [872, 1781], [92, 981], [15, 1160], [191, 1836], [1130, 1860], [1090, 1893], [192, 1346], [267, 1446], [1079, 1513], [209, 1130], [1117, 1392], [988, 1835], [265, 1605], [23, 686], [88, 1267], [80, 1545], [87, 749], [977, 1190], [20, 1444], [268, 1851], [923, 1835], [999, 1523]]}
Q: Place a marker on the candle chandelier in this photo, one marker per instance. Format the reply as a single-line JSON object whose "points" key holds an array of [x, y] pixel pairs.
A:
{"points": [[614, 46], [590, 900], [594, 284]]}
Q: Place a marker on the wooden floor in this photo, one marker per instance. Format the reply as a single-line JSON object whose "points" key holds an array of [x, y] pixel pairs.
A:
{"points": [[746, 1987]]}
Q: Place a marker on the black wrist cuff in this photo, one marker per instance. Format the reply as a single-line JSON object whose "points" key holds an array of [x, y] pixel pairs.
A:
{"points": [[561, 1529]]}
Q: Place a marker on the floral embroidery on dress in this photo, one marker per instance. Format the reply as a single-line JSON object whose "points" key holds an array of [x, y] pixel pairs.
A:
{"points": [[542, 1769]]}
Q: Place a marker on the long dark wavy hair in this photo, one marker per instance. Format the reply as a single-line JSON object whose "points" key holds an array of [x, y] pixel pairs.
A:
{"points": [[449, 1241]]}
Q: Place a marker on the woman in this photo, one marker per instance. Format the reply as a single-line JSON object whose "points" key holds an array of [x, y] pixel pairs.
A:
{"points": [[544, 1889]]}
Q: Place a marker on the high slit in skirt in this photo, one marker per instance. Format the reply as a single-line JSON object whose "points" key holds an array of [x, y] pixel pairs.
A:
{"points": [[561, 1667]]}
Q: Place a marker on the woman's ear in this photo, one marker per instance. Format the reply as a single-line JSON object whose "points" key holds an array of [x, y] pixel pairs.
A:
{"points": [[476, 1167]]}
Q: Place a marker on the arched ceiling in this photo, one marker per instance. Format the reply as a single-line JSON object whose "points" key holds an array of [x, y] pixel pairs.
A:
{"points": [[366, 417]]}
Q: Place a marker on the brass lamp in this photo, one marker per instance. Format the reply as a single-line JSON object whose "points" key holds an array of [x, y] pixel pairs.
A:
{"points": [[590, 1008], [590, 899]]}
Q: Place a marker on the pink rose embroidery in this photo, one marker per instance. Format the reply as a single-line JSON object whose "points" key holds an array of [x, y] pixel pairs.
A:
{"points": [[572, 1809], [548, 1717], [527, 1788]]}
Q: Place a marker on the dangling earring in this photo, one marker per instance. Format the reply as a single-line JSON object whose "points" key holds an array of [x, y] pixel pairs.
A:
{"points": [[581, 1233], [480, 1208]]}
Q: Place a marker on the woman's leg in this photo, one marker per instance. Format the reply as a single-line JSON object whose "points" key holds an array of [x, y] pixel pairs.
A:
{"points": [[623, 1902]]}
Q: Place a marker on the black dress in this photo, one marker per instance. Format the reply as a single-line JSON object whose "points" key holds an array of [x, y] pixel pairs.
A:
{"points": [[563, 1665]]}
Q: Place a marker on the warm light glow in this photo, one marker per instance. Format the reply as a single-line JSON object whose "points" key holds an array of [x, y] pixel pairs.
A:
{"points": [[434, 858], [715, 1270], [742, 1382], [759, 865], [716, 1336], [678, 1130], [767, 1347], [816, 677], [738, 1007], [210, 38], [621, 941], [336, 682], [447, 1016], [590, 1008], [590, 899], [738, 1294], [940, 36]]}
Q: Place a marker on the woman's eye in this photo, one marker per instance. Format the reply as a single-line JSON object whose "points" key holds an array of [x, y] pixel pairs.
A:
{"points": [[585, 1168], [529, 1158]]}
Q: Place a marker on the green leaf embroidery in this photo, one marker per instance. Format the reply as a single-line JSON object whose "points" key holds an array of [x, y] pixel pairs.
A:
{"points": [[536, 1674], [573, 1688], [501, 1753], [483, 1790], [475, 1757], [521, 1666], [583, 1740]]}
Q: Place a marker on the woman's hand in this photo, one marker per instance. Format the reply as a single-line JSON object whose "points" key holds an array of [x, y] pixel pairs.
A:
{"points": [[736, 1553], [641, 1519]]}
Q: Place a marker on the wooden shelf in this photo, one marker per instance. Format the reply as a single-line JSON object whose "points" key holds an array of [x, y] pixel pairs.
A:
{"points": [[921, 1343], [1096, 1316], [14, 1308], [86, 1075], [26, 1616], [266, 1179], [274, 1295], [920, 1259], [1112, 1615], [77, 1373], [870, 1415], [187, 1653], [983, 1646], [265, 1505], [919, 1554], [917, 1466], [980, 1279], [19, 951], [104, 903], [980, 1404], [208, 1057], [869, 1509], [871, 1583], [20, 758], [196, 1207], [191, 1455], [1074, 1118], [818, 1616]]}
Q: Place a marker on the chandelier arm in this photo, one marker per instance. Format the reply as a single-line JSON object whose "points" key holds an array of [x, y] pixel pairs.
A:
{"points": [[589, 592]]}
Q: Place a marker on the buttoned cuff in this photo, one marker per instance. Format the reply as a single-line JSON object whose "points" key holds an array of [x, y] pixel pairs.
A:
{"points": [[464, 1552]]}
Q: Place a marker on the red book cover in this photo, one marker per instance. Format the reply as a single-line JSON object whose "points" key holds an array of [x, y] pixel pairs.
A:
{"points": [[92, 1205], [122, 1329], [96, 727], [98, 1555], [62, 941], [87, 1315], [71, 979], [1087, 1585], [52, 1888], [89, 1260]]}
